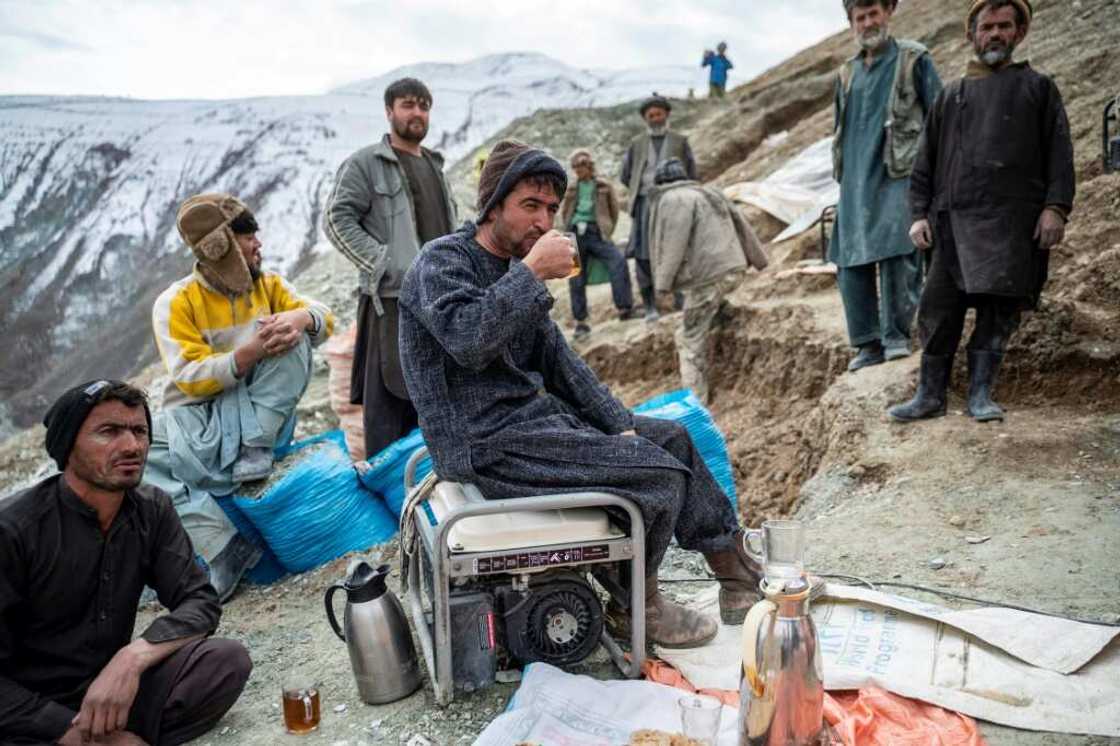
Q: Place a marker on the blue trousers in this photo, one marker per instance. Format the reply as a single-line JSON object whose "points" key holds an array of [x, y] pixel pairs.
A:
{"points": [[880, 299], [593, 244]]}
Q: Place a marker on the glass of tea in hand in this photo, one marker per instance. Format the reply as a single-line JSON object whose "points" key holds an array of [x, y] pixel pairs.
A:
{"points": [[301, 706], [576, 266]]}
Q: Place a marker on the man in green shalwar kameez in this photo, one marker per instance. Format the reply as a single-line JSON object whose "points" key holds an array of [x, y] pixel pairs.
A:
{"points": [[882, 96]]}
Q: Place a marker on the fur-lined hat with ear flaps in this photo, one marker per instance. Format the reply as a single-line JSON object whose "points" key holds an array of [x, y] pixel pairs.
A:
{"points": [[203, 222]]}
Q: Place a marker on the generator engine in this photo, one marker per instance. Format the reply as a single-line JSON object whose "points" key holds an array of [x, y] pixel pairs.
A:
{"points": [[521, 588]]}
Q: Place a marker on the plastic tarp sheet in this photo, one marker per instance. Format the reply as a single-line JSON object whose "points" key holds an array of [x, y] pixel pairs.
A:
{"points": [[797, 192], [554, 708], [323, 508], [682, 406], [318, 511], [871, 639], [385, 475]]}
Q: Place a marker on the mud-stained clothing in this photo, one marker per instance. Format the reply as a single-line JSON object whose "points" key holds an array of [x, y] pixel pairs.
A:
{"points": [[879, 275], [996, 151], [983, 185], [702, 316], [505, 404]]}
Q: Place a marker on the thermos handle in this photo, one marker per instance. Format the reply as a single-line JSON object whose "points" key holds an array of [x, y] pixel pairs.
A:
{"points": [[330, 610], [758, 613]]}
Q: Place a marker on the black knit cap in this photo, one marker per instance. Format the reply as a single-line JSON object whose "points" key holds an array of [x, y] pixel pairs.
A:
{"points": [[508, 164], [669, 171], [65, 417], [655, 100]]}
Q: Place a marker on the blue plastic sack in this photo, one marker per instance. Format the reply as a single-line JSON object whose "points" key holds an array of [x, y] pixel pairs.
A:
{"points": [[682, 406], [386, 473], [318, 512], [268, 570]]}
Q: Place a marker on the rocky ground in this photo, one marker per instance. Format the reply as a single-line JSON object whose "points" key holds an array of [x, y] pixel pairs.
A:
{"points": [[884, 502]]}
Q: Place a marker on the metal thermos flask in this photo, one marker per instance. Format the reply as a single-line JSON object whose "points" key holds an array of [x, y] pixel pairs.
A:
{"points": [[782, 685], [377, 636]]}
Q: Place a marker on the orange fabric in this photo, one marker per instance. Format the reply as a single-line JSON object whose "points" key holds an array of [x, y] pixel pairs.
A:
{"points": [[662, 673], [868, 717]]}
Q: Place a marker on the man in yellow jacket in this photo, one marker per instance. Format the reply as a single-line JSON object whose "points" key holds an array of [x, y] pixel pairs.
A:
{"points": [[236, 342]]}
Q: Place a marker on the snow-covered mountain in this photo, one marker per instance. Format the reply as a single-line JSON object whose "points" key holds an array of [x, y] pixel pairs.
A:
{"points": [[89, 188]]}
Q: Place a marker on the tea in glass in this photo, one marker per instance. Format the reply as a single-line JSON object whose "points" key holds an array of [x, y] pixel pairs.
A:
{"points": [[301, 707], [577, 267]]}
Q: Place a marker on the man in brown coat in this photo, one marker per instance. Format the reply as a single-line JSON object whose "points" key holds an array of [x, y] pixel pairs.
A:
{"points": [[990, 194], [590, 210]]}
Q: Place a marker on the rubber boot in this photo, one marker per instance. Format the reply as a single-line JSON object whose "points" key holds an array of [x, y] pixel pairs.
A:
{"points": [[668, 624], [982, 369], [738, 577], [930, 400]]}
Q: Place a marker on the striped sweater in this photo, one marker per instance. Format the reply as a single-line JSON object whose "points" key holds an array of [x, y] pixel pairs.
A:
{"points": [[198, 328]]}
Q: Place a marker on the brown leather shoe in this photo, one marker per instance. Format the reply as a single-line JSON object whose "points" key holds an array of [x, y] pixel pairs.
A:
{"points": [[668, 624], [738, 576]]}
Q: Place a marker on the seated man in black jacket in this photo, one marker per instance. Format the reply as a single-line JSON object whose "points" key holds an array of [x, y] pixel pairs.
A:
{"points": [[75, 553]]}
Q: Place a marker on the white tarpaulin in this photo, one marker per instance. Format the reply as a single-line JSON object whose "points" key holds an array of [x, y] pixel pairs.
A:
{"points": [[913, 649], [797, 192], [555, 708]]}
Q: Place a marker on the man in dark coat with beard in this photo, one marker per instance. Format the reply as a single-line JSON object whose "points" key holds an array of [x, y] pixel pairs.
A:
{"points": [[506, 405], [990, 195]]}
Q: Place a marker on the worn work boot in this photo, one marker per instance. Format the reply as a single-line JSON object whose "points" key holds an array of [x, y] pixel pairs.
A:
{"points": [[869, 354], [226, 570], [930, 400], [738, 577], [253, 463], [625, 314], [583, 331], [982, 369], [668, 624]]}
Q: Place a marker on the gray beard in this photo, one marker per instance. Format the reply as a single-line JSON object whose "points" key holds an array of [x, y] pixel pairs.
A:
{"points": [[994, 57], [871, 42], [657, 131]]}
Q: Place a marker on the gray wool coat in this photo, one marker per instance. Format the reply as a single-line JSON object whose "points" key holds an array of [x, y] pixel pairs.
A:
{"points": [[505, 404]]}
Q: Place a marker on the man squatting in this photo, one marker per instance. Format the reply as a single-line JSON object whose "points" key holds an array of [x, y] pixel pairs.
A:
{"points": [[76, 550]]}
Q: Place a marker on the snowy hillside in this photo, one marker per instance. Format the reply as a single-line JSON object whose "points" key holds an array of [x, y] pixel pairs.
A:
{"points": [[89, 187]]}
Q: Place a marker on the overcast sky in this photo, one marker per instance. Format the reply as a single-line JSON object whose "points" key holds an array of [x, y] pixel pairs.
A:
{"points": [[239, 48]]}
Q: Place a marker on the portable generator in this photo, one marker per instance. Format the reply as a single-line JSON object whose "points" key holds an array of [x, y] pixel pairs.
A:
{"points": [[1110, 139], [497, 584]]}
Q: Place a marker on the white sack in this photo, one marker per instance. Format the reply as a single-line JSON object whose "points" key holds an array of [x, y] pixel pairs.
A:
{"points": [[555, 708]]}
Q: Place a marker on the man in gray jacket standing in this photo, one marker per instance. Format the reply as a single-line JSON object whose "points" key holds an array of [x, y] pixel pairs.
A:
{"points": [[389, 199], [700, 245], [646, 152]]}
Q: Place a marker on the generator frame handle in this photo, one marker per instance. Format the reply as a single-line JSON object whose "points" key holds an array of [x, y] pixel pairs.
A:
{"points": [[437, 645]]}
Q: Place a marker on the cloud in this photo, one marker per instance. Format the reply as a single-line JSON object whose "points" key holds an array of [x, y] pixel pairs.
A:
{"points": [[218, 49], [48, 41]]}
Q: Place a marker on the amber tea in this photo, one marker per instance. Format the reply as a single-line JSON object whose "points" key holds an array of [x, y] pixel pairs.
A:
{"points": [[301, 709], [576, 266]]}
